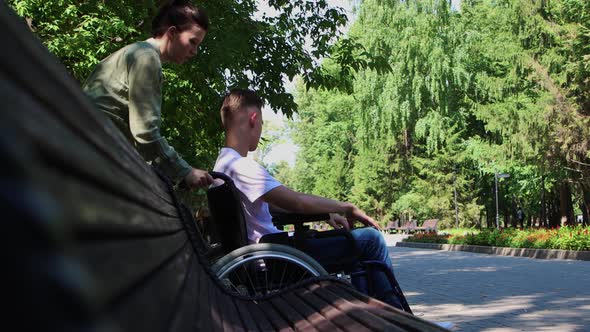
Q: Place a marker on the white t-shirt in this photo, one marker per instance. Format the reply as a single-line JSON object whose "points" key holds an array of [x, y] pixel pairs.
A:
{"points": [[252, 181]]}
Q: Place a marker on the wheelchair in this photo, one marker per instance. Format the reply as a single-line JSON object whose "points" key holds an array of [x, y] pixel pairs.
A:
{"points": [[286, 258]]}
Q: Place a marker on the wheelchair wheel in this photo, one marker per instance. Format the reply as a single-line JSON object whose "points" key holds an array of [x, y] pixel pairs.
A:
{"points": [[264, 268]]}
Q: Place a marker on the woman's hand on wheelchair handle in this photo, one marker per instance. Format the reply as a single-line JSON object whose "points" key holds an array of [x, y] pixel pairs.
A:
{"points": [[198, 178]]}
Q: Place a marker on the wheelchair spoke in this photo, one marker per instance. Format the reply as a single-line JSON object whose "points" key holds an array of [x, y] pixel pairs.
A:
{"points": [[283, 275], [303, 276], [253, 288], [266, 285]]}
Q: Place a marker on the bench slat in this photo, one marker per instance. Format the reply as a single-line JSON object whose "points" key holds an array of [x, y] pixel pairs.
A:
{"points": [[332, 313], [356, 311], [184, 313], [69, 155], [101, 215], [231, 320], [259, 317], [137, 260], [149, 305], [245, 315], [290, 313], [318, 321]]}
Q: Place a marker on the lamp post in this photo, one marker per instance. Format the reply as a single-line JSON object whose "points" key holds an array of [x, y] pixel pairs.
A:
{"points": [[496, 176]]}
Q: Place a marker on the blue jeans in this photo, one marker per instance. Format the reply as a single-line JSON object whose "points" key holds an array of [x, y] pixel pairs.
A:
{"points": [[372, 247]]}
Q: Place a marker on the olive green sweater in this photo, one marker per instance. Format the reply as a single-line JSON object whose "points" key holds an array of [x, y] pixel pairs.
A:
{"points": [[127, 86]]}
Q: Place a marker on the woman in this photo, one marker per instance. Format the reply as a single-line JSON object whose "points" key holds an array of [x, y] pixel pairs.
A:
{"points": [[127, 86]]}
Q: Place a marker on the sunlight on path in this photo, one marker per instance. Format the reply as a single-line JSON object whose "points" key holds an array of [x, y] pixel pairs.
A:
{"points": [[494, 293]]}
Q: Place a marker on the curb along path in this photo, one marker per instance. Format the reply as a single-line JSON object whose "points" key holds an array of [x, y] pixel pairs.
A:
{"points": [[517, 252]]}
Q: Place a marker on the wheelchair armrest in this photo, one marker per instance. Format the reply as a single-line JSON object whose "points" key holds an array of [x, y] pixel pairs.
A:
{"points": [[282, 219]]}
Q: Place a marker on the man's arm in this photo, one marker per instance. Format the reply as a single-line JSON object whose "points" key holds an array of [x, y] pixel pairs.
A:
{"points": [[276, 209], [296, 202]]}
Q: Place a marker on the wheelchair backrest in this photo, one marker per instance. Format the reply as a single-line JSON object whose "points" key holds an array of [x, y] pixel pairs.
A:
{"points": [[227, 214]]}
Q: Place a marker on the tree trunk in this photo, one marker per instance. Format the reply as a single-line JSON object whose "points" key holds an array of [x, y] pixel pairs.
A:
{"points": [[507, 218], [489, 219], [513, 218], [543, 218], [566, 207], [553, 210], [586, 204]]}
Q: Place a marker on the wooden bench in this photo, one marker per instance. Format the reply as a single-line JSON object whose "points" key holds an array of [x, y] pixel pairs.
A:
{"points": [[95, 240], [429, 225], [391, 227], [408, 226]]}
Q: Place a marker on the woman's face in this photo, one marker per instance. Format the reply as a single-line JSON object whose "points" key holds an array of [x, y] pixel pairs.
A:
{"points": [[183, 45]]}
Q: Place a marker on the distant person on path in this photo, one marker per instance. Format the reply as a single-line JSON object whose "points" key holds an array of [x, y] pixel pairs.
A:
{"points": [[127, 86]]}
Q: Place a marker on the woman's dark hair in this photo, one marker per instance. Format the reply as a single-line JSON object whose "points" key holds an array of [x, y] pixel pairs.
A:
{"points": [[180, 14]]}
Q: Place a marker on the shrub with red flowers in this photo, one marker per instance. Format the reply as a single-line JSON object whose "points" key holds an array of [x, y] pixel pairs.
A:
{"points": [[428, 238], [566, 238]]}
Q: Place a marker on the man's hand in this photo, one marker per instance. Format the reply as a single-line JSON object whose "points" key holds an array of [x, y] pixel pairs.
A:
{"points": [[357, 214], [198, 178], [337, 221]]}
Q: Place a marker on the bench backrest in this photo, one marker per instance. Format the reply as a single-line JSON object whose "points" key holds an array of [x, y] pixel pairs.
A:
{"points": [[410, 224], [430, 223], [392, 224]]}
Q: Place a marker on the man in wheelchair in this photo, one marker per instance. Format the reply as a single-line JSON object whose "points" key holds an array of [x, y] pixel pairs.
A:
{"points": [[259, 193]]}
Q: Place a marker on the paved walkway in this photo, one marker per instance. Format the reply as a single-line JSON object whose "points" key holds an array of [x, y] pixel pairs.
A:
{"points": [[491, 293]]}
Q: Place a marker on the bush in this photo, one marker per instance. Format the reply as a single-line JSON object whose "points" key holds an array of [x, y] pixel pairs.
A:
{"points": [[428, 238], [566, 238]]}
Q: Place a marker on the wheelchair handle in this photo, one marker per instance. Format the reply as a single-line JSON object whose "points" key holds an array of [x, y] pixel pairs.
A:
{"points": [[216, 175], [222, 176]]}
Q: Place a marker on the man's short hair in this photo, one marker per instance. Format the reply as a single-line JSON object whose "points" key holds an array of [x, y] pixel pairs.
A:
{"points": [[238, 99]]}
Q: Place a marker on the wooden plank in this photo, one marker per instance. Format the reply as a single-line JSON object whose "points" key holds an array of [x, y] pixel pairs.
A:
{"points": [[202, 313], [231, 317], [64, 153], [149, 305], [184, 312], [36, 125], [290, 313], [246, 317], [356, 310], [216, 312], [136, 260], [318, 321], [278, 322], [99, 215], [328, 310], [389, 313], [259, 317]]}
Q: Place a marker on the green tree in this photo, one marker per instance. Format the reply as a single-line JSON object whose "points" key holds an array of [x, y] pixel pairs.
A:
{"points": [[241, 50]]}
